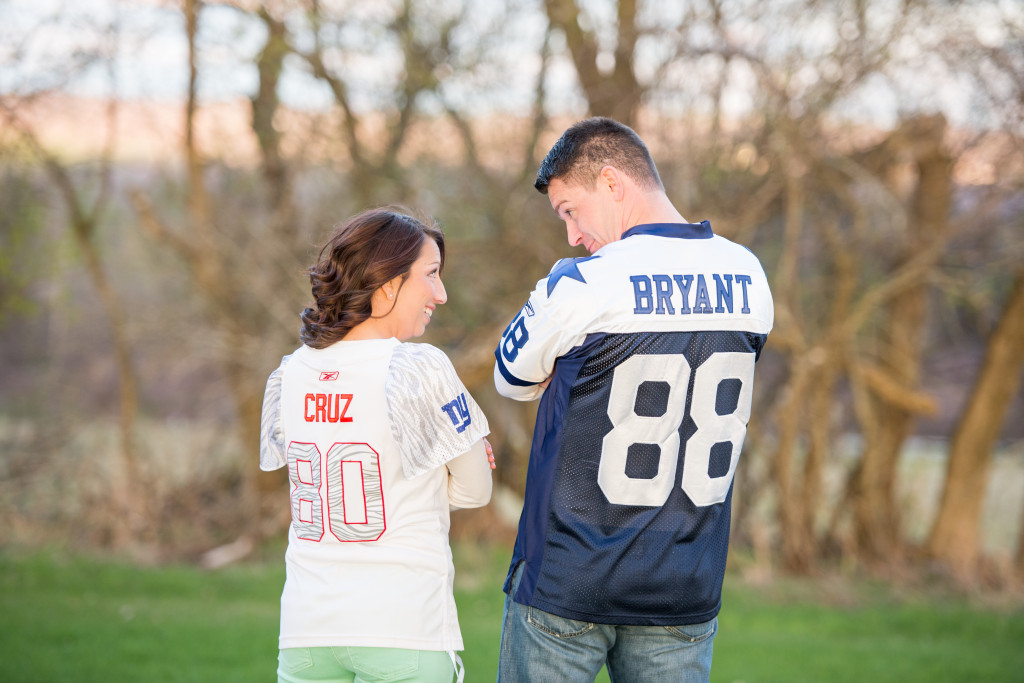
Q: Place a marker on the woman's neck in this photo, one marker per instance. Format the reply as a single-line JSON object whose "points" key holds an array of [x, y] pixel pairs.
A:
{"points": [[371, 328]]}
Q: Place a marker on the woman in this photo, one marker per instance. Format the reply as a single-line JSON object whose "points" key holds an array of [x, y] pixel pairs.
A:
{"points": [[380, 439]]}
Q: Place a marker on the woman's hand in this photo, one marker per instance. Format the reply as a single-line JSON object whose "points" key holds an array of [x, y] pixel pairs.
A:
{"points": [[490, 453]]}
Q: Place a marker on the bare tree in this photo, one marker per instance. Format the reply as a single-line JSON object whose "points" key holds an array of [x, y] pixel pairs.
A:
{"points": [[606, 73], [86, 197], [892, 382], [953, 539], [244, 307], [855, 227]]}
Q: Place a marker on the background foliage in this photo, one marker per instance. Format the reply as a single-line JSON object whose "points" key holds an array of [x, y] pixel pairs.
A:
{"points": [[153, 236]]}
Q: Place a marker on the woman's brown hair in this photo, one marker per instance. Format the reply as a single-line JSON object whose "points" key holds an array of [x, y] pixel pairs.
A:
{"points": [[362, 253]]}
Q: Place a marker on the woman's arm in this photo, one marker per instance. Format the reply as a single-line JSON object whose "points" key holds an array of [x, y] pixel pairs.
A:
{"points": [[469, 477]]}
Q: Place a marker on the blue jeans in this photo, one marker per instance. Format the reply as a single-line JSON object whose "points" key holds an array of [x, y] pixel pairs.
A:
{"points": [[538, 647]]}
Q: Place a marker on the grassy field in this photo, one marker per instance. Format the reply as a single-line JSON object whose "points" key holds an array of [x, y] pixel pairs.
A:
{"points": [[86, 619]]}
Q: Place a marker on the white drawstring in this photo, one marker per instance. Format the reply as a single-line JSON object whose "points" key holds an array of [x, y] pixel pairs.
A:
{"points": [[460, 670]]}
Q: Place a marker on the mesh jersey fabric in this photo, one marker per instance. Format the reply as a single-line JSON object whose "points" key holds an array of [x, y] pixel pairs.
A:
{"points": [[419, 378], [650, 344], [368, 561]]}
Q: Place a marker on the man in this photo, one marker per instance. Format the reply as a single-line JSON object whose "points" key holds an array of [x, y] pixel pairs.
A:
{"points": [[643, 357]]}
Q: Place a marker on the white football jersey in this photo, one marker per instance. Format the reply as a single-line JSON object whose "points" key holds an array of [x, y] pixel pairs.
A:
{"points": [[365, 429]]}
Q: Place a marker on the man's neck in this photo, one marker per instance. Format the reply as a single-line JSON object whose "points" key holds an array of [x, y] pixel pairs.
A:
{"points": [[652, 207]]}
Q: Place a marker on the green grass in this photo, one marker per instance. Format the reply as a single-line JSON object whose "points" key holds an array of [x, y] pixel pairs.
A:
{"points": [[768, 638], [85, 619], [88, 620]]}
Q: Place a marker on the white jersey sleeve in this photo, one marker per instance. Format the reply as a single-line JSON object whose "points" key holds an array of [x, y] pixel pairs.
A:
{"points": [[432, 416], [272, 451], [544, 329]]}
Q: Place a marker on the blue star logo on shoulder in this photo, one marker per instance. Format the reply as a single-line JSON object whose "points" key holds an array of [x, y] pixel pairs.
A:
{"points": [[568, 267]]}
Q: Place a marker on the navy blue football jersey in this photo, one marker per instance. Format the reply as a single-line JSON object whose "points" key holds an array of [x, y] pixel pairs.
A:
{"points": [[650, 345]]}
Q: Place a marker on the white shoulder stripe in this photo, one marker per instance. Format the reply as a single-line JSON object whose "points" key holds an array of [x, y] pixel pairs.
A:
{"points": [[272, 452], [432, 416]]}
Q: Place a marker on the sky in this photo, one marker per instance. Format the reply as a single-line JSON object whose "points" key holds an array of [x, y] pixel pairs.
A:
{"points": [[150, 62], [39, 41]]}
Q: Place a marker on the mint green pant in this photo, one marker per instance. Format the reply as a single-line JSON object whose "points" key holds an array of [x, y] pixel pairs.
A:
{"points": [[363, 665]]}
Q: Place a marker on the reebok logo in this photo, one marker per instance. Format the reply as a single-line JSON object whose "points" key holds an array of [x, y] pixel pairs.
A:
{"points": [[328, 376]]}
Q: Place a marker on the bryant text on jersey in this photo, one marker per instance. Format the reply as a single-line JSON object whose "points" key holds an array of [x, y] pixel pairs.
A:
{"points": [[654, 293]]}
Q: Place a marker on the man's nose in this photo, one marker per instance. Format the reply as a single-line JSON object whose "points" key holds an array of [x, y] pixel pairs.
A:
{"points": [[574, 236]]}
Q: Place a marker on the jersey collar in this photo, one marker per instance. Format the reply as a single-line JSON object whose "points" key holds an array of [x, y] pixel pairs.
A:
{"points": [[686, 231]]}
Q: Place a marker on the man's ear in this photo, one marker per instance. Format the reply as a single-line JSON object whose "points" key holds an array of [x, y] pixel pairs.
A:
{"points": [[610, 178]]}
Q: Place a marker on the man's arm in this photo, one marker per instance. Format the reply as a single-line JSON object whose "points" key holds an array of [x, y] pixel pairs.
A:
{"points": [[540, 333], [526, 354], [518, 392]]}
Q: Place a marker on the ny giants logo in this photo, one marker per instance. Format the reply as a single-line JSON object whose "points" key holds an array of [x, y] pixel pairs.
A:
{"points": [[458, 412]]}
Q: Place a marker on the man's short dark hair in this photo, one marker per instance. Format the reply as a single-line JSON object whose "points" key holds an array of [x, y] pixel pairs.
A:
{"points": [[590, 145]]}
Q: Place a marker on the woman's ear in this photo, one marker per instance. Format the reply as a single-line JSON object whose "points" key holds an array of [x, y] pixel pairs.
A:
{"points": [[388, 293], [390, 288], [383, 300]]}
